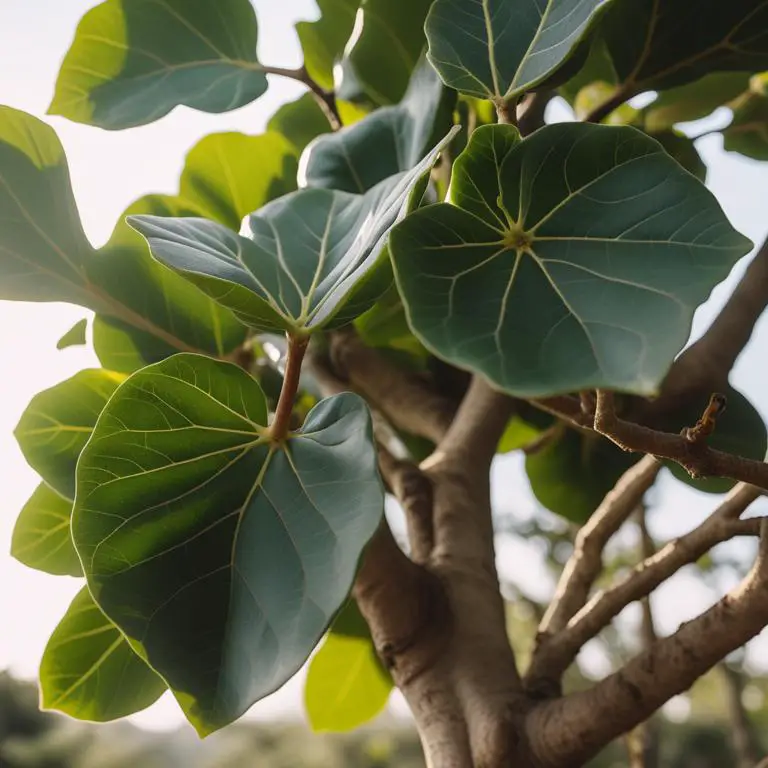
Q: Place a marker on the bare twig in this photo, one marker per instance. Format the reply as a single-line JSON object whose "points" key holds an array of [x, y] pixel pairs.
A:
{"points": [[570, 730]]}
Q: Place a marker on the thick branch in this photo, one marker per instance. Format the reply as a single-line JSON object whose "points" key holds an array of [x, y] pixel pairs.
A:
{"points": [[407, 400], [559, 652], [569, 731], [705, 365], [695, 457]]}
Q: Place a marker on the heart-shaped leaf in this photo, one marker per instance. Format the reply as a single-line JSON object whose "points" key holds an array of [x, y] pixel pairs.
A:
{"points": [[299, 122], [44, 255], [133, 61], [388, 141], [221, 555], [89, 670], [498, 50], [41, 537], [229, 175], [75, 336], [650, 52], [323, 41], [572, 260], [310, 259], [347, 684], [58, 422]]}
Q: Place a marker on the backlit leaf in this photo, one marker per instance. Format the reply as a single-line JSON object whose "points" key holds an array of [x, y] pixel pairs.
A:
{"points": [[221, 555], [572, 260], [299, 122], [75, 336]]}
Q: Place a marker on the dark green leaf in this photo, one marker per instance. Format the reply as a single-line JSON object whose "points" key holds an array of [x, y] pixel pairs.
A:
{"points": [[387, 49], [310, 259], [596, 68], [229, 175], [346, 683], [740, 431], [748, 131], [572, 260], [133, 61], [389, 141], [684, 150], [41, 537], [75, 336], [571, 474], [44, 255], [323, 41], [657, 44], [58, 422], [89, 670], [300, 121], [499, 50], [221, 555]]}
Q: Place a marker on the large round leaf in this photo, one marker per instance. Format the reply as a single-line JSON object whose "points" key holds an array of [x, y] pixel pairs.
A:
{"points": [[498, 49], [89, 670], [222, 556], [41, 537], [57, 423], [133, 61], [572, 260], [313, 258]]}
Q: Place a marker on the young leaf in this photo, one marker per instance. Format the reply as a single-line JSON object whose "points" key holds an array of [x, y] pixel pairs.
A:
{"points": [[229, 175], [388, 141], [133, 61], [75, 336], [590, 247], [44, 255], [89, 670], [221, 555], [346, 683], [58, 422], [41, 537], [498, 50], [650, 52], [311, 258]]}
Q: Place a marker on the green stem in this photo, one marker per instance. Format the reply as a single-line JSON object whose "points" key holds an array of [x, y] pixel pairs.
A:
{"points": [[297, 346]]}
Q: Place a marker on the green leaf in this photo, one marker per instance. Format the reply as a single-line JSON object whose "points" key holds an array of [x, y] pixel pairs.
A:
{"points": [[499, 50], [89, 670], [58, 422], [748, 131], [594, 94], [571, 474], [300, 121], [133, 61], [388, 141], [659, 45], [517, 435], [41, 537], [310, 259], [45, 256], [346, 683], [684, 150], [572, 260], [221, 555], [323, 41], [597, 67], [75, 336], [694, 101], [382, 56], [229, 175], [740, 431]]}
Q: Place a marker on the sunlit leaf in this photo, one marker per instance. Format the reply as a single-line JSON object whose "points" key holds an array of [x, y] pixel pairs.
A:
{"points": [[499, 50], [222, 556], [41, 538], [89, 670], [574, 259], [58, 422], [75, 336], [133, 61], [310, 258]]}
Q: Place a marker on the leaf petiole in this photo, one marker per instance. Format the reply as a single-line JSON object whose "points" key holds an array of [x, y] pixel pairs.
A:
{"points": [[297, 346]]}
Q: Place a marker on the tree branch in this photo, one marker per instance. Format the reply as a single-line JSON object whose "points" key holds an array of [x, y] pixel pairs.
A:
{"points": [[723, 524], [326, 99], [571, 730], [694, 456], [407, 400]]}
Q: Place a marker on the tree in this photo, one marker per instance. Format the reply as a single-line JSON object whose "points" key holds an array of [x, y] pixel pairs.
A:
{"points": [[405, 298]]}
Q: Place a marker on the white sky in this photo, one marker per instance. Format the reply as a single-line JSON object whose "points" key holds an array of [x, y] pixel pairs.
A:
{"points": [[111, 169]]}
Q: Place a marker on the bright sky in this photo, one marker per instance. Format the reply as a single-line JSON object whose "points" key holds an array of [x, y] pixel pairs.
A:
{"points": [[111, 169]]}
